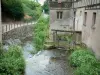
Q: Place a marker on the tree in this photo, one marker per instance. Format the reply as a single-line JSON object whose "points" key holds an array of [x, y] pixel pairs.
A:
{"points": [[46, 7], [32, 8], [13, 8]]}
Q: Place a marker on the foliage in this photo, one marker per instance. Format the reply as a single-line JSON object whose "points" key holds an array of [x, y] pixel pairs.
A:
{"points": [[1, 50], [80, 57], [19, 9], [12, 62], [13, 8], [32, 8], [66, 37], [85, 62], [41, 33], [86, 70], [46, 7], [89, 69]]}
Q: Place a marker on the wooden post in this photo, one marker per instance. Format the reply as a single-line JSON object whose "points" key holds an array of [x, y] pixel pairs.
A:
{"points": [[6, 28], [2, 29], [74, 33], [9, 27]]}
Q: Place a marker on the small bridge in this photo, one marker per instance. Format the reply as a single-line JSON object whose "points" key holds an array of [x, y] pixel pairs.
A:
{"points": [[17, 30]]}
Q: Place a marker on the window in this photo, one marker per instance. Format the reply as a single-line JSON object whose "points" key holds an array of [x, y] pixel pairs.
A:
{"points": [[80, 13], [56, 0], [74, 13], [85, 18], [59, 15], [94, 19]]}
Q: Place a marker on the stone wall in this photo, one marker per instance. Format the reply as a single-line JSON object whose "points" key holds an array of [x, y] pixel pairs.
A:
{"points": [[59, 24], [79, 19], [19, 33], [90, 33]]}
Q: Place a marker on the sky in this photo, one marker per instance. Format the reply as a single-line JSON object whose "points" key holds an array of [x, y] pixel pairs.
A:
{"points": [[41, 1]]}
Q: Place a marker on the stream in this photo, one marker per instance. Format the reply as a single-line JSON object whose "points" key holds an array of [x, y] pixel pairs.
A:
{"points": [[45, 62]]}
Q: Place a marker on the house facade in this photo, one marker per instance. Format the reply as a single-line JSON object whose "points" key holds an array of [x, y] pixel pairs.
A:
{"points": [[62, 18], [89, 12], [86, 17], [59, 16]]}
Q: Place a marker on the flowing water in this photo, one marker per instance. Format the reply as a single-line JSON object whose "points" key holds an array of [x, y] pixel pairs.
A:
{"points": [[46, 62]]}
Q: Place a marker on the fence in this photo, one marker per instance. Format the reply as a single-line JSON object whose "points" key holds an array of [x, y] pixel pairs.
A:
{"points": [[8, 27]]}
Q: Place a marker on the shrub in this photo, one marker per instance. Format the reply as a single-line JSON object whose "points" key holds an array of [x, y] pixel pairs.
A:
{"points": [[13, 8], [86, 69], [89, 69], [32, 9], [97, 66], [80, 57], [12, 62], [85, 62], [41, 33]]}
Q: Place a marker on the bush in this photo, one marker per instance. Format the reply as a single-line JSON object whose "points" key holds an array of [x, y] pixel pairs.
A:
{"points": [[12, 62], [89, 69], [32, 9], [85, 62], [80, 57], [86, 69], [13, 8], [41, 33], [19, 9]]}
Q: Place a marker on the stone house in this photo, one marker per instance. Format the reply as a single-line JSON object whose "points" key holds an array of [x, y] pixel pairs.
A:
{"points": [[59, 16], [86, 17], [62, 19], [89, 20]]}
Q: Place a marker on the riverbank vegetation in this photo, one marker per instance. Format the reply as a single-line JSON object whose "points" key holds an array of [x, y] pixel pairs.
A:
{"points": [[12, 62], [84, 62], [41, 33]]}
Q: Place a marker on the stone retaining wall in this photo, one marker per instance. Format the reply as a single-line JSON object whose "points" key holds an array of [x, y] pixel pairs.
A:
{"points": [[19, 33]]}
